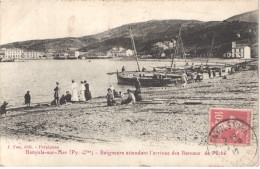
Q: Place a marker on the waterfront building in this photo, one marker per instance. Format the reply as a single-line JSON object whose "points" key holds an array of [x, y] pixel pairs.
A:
{"points": [[31, 55], [63, 55], [239, 51], [119, 52], [73, 54], [13, 53]]}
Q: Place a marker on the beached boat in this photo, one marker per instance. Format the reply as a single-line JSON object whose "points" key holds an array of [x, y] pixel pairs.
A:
{"points": [[7, 60], [146, 80]]}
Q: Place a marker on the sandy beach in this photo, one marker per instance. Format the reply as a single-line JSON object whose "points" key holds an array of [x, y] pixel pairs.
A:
{"points": [[178, 114]]}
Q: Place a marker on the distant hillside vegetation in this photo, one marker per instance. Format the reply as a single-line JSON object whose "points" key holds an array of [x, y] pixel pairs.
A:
{"points": [[196, 35], [245, 17]]}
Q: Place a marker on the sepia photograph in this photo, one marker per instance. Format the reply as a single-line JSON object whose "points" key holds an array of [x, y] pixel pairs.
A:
{"points": [[137, 83]]}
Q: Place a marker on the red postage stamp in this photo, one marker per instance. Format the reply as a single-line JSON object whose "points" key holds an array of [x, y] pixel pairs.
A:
{"points": [[230, 126]]}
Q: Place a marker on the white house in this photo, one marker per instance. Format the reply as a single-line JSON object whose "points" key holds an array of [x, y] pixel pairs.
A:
{"points": [[74, 54], [129, 52], [239, 51], [117, 52]]}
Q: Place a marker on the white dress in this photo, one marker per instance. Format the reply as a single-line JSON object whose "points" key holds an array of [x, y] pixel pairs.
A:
{"points": [[74, 92], [82, 93]]}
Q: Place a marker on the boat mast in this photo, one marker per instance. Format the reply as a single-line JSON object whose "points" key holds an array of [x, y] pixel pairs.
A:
{"points": [[133, 44], [177, 46], [211, 49]]}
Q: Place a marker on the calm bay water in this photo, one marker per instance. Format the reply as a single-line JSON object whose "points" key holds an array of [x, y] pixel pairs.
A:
{"points": [[39, 77]]}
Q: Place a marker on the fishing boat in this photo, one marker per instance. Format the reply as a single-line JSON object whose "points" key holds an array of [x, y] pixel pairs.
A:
{"points": [[146, 80]]}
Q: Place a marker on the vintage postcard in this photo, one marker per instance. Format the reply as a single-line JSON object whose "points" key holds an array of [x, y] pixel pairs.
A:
{"points": [[129, 83]]}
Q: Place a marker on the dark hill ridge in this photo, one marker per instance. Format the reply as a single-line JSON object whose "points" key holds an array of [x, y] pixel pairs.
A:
{"points": [[251, 16], [195, 35]]}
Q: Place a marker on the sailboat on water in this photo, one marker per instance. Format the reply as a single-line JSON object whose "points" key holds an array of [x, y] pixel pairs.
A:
{"points": [[149, 79]]}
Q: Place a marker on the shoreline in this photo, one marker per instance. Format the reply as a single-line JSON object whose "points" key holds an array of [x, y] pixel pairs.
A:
{"points": [[48, 104], [171, 113]]}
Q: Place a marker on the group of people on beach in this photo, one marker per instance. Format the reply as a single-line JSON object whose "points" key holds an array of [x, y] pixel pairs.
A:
{"points": [[82, 92], [131, 97], [78, 93], [213, 73]]}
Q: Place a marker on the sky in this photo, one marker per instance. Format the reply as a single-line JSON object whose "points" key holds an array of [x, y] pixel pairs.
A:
{"points": [[28, 20]]}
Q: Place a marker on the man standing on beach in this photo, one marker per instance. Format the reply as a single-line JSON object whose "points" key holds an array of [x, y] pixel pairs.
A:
{"points": [[220, 72], [27, 98], [56, 94], [209, 72]]}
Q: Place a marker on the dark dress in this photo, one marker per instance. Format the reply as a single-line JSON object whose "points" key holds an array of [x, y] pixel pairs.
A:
{"points": [[68, 98], [137, 94], [27, 98], [137, 84], [87, 92], [62, 100]]}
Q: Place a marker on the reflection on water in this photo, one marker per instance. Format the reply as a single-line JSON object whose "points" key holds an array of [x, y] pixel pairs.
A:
{"points": [[39, 77]]}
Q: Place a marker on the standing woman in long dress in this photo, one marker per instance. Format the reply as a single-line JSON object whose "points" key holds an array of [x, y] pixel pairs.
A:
{"points": [[82, 92], [74, 93]]}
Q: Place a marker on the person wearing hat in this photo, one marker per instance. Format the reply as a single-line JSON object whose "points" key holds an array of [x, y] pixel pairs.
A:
{"points": [[57, 94], [74, 93], [27, 98], [130, 99], [110, 98]]}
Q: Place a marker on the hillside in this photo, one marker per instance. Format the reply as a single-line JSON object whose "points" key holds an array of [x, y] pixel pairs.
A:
{"points": [[246, 17], [196, 35]]}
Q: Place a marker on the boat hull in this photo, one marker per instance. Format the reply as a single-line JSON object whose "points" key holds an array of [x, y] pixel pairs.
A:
{"points": [[124, 79]]}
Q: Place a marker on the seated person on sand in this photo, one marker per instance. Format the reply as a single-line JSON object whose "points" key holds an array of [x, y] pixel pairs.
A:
{"points": [[62, 100], [130, 98], [110, 98], [154, 69], [199, 77], [68, 96], [144, 69]]}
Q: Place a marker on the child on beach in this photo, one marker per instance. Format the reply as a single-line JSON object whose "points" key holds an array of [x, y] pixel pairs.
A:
{"points": [[110, 98]]}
